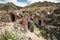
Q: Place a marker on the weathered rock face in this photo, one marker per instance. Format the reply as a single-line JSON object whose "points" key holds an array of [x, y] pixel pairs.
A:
{"points": [[17, 29], [4, 17], [14, 28]]}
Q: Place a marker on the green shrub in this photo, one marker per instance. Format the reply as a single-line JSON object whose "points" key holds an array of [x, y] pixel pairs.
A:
{"points": [[10, 36], [1, 37], [43, 33]]}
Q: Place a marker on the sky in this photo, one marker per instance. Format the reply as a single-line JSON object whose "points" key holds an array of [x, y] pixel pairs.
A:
{"points": [[23, 3]]}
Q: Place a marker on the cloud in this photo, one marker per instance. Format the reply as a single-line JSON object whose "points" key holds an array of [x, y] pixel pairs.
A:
{"points": [[18, 3], [56, 1], [32, 1], [1, 2], [22, 4]]}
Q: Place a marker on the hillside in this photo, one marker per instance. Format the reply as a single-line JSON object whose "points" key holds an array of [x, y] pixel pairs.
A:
{"points": [[9, 6], [35, 7], [41, 6], [38, 21]]}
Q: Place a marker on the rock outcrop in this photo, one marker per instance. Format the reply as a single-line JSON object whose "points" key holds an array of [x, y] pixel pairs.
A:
{"points": [[21, 33]]}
